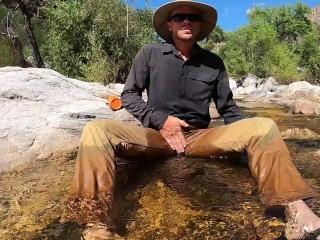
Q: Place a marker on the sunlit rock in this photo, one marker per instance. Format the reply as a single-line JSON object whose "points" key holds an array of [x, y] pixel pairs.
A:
{"points": [[298, 133], [43, 113]]}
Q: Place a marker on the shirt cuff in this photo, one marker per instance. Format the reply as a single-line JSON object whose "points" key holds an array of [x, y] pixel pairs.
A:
{"points": [[157, 119]]}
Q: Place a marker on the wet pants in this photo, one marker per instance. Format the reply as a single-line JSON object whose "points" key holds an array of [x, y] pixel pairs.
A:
{"points": [[270, 163]]}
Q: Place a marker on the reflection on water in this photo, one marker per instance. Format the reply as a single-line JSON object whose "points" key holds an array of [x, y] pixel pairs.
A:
{"points": [[177, 198], [282, 117]]}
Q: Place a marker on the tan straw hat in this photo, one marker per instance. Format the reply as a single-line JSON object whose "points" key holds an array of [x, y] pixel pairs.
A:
{"points": [[208, 14]]}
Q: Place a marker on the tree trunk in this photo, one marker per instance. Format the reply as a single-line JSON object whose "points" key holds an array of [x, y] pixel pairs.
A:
{"points": [[29, 30]]}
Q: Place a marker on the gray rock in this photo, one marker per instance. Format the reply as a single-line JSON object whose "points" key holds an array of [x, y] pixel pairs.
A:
{"points": [[251, 80], [304, 106], [269, 84], [43, 113], [233, 83], [299, 97]]}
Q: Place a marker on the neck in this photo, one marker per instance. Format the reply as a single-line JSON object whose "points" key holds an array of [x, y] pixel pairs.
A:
{"points": [[185, 47]]}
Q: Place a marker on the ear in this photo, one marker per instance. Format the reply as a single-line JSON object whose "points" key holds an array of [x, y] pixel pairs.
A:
{"points": [[169, 26]]}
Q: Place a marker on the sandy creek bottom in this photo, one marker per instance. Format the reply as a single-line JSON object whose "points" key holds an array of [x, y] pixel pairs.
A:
{"points": [[177, 198]]}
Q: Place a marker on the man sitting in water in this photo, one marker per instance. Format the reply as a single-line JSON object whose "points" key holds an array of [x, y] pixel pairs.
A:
{"points": [[181, 79]]}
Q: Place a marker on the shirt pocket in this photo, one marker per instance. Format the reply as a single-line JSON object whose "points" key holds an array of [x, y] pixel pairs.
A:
{"points": [[199, 86]]}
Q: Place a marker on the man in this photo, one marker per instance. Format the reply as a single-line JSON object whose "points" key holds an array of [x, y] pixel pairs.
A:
{"points": [[181, 80]]}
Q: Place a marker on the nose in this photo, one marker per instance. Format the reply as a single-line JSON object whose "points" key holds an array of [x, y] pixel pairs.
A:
{"points": [[186, 21]]}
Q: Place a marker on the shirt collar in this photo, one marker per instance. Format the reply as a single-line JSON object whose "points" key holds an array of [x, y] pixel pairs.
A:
{"points": [[169, 47]]}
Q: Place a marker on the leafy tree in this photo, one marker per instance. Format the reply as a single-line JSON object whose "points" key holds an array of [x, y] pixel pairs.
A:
{"points": [[310, 55], [20, 4], [67, 40], [235, 54], [214, 40], [89, 39], [284, 65]]}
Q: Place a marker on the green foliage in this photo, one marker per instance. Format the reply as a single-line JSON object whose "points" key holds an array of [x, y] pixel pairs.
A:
{"points": [[281, 42], [214, 40], [290, 22], [310, 55], [284, 66], [89, 39], [66, 42], [235, 58], [8, 55]]}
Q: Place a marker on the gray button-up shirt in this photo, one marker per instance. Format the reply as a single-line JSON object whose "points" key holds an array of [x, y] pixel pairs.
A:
{"points": [[183, 89]]}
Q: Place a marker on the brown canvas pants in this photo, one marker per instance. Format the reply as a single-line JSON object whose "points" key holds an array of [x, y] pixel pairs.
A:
{"points": [[269, 159]]}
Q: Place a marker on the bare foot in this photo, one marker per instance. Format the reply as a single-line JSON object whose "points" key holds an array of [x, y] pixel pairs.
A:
{"points": [[98, 231], [301, 220]]}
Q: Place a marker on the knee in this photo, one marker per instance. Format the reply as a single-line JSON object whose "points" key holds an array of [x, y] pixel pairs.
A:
{"points": [[263, 124]]}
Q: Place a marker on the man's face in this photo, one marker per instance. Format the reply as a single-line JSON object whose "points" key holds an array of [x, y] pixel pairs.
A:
{"points": [[184, 29]]}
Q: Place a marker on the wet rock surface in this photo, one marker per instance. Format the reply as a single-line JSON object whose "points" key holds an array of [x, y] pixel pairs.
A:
{"points": [[177, 198]]}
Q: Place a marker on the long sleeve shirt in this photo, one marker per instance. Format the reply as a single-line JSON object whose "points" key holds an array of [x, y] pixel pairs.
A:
{"points": [[183, 89]]}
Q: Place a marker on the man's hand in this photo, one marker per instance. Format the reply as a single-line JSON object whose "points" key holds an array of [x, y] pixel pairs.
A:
{"points": [[172, 133]]}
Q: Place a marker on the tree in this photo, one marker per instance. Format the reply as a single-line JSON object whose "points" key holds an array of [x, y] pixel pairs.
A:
{"points": [[215, 40], [20, 4], [310, 55], [88, 39]]}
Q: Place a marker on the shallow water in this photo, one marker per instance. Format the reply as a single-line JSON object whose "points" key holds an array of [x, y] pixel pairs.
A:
{"points": [[177, 198]]}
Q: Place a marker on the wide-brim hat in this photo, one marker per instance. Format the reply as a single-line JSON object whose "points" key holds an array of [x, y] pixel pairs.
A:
{"points": [[208, 14]]}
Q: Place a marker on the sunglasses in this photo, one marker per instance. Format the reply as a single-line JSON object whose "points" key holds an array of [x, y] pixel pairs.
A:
{"points": [[180, 17]]}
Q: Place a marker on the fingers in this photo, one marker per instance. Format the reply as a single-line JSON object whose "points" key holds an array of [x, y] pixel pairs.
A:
{"points": [[182, 139], [177, 142], [182, 123], [171, 132]]}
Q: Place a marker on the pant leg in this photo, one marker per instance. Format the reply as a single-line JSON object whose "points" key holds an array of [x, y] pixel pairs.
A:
{"points": [[101, 142], [269, 159]]}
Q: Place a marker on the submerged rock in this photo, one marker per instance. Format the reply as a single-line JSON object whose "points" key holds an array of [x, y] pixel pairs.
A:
{"points": [[298, 133]]}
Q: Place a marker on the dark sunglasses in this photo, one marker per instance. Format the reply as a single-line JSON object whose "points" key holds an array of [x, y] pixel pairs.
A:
{"points": [[180, 17]]}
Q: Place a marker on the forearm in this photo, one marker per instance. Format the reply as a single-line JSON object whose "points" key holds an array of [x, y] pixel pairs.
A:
{"points": [[146, 114]]}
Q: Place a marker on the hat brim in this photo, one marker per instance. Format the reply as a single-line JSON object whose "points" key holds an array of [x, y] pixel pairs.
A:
{"points": [[161, 15]]}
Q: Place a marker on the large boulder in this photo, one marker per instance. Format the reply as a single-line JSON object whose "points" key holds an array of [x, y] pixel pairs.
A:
{"points": [[43, 113]]}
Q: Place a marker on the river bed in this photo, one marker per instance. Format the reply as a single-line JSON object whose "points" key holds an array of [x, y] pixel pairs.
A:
{"points": [[177, 198]]}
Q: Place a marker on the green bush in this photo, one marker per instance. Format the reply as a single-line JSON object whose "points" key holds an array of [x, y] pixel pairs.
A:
{"points": [[8, 55], [89, 40]]}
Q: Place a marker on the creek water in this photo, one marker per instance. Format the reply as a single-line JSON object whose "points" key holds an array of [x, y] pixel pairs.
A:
{"points": [[177, 198]]}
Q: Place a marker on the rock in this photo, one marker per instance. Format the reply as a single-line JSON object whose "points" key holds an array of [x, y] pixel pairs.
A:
{"points": [[249, 89], [44, 113], [303, 106], [298, 133], [293, 87], [238, 91], [115, 88], [251, 80], [312, 94], [299, 97], [270, 84], [316, 154], [233, 84]]}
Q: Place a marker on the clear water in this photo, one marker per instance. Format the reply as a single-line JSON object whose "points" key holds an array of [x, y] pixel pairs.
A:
{"points": [[177, 198]]}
